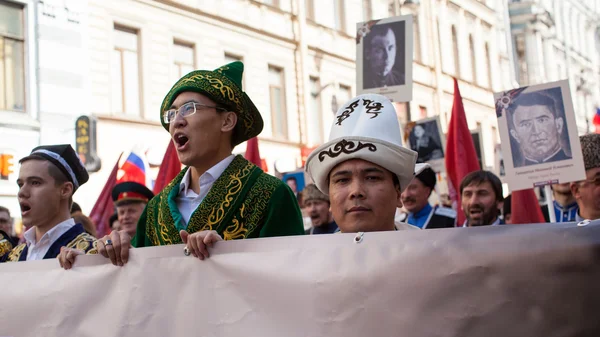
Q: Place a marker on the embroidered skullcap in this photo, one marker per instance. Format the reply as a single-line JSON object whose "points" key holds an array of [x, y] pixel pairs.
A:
{"points": [[66, 159], [590, 147]]}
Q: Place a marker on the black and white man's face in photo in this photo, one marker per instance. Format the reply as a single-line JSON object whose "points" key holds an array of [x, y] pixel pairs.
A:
{"points": [[537, 131], [381, 55]]}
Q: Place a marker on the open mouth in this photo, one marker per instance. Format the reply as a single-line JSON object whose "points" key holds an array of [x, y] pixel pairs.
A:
{"points": [[24, 209], [476, 212], [181, 140]]}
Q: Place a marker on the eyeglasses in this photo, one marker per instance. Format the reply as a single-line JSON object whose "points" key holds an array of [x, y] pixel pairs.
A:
{"points": [[595, 181], [185, 110]]}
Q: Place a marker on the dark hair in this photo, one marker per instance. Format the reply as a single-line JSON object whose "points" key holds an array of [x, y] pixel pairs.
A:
{"points": [[87, 223], [4, 209], [506, 208], [54, 172], [480, 177], [75, 208], [377, 30], [531, 99], [291, 178]]}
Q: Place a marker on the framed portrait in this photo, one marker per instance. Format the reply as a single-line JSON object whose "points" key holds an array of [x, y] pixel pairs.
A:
{"points": [[426, 138], [384, 55], [539, 138]]}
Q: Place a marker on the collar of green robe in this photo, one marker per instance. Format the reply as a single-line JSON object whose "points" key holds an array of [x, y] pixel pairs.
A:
{"points": [[224, 86]]}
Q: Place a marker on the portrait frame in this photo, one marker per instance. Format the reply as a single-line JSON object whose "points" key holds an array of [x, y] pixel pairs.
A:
{"points": [[559, 166], [400, 75], [435, 154]]}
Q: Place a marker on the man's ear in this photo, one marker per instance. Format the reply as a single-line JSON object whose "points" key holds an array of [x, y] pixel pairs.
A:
{"points": [[559, 124], [575, 190], [398, 197], [513, 133], [229, 121], [66, 191]]}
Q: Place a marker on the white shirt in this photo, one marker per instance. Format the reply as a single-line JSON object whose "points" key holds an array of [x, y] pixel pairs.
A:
{"points": [[37, 251], [187, 200]]}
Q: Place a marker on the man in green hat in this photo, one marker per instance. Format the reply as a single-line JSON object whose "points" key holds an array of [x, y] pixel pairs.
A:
{"points": [[217, 195]]}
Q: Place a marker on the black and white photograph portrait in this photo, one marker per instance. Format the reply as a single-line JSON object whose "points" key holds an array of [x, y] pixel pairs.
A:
{"points": [[537, 127], [384, 57], [425, 138], [539, 137]]}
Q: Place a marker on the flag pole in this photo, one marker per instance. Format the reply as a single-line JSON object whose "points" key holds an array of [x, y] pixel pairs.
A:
{"points": [[550, 201]]}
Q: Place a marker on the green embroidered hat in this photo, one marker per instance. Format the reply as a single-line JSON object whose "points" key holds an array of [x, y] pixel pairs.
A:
{"points": [[224, 86]]}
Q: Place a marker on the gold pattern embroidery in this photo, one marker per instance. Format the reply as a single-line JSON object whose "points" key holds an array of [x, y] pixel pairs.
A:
{"points": [[5, 246], [15, 254]]}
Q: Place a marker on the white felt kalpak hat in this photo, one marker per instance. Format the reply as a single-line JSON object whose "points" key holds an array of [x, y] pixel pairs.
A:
{"points": [[364, 128]]}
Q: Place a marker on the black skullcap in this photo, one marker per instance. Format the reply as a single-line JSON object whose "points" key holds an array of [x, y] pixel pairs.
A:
{"points": [[427, 177], [66, 159]]}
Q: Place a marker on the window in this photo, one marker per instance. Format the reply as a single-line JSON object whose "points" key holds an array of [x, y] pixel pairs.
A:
{"points": [[488, 64], [309, 7], [338, 10], [473, 59], [367, 10], [183, 59], [12, 57], [314, 113], [125, 72], [456, 55], [345, 95], [277, 102], [422, 111], [417, 39], [274, 3]]}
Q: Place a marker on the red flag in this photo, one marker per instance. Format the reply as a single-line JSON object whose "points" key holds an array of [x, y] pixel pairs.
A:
{"points": [[525, 208], [169, 168], [104, 206], [461, 158], [252, 153]]}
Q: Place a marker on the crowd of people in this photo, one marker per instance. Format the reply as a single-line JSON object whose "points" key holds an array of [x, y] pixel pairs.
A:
{"points": [[362, 176]]}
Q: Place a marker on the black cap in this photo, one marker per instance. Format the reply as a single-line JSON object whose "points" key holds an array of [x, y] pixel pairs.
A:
{"points": [[131, 191], [427, 177], [66, 159]]}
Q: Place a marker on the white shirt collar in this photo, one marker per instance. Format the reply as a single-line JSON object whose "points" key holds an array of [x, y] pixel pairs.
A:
{"points": [[210, 175], [52, 235]]}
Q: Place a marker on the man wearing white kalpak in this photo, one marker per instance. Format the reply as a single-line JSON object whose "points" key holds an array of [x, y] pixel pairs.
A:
{"points": [[363, 167]]}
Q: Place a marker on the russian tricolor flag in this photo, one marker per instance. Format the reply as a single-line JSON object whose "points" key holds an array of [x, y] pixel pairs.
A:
{"points": [[133, 169], [596, 120]]}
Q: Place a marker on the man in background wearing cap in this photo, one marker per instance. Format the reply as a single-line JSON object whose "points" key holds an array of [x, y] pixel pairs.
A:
{"points": [[587, 192], [48, 177], [130, 199], [363, 167], [217, 195], [317, 206], [416, 201]]}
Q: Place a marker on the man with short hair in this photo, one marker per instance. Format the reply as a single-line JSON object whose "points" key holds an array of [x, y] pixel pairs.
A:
{"points": [[130, 199], [364, 167], [6, 224], [536, 125], [481, 195], [564, 205], [416, 201], [317, 206], [380, 48], [587, 192], [217, 195], [48, 177]]}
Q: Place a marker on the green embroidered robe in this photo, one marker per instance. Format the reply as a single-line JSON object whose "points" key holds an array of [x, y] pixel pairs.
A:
{"points": [[244, 202]]}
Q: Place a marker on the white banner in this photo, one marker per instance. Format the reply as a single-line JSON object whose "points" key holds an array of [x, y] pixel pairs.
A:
{"points": [[522, 280]]}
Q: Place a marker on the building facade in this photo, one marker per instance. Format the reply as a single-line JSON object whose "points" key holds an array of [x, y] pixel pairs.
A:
{"points": [[557, 40], [114, 60], [19, 100]]}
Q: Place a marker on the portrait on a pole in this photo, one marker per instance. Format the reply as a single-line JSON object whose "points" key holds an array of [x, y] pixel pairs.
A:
{"points": [[384, 57], [540, 142], [426, 138]]}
